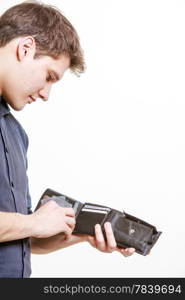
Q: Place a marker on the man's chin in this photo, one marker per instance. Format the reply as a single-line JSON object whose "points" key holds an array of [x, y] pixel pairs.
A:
{"points": [[17, 107], [15, 103]]}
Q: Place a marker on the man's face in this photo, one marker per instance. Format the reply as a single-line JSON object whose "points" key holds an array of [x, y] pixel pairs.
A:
{"points": [[31, 78]]}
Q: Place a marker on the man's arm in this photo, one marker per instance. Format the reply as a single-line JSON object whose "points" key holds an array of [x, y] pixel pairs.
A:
{"points": [[53, 243], [48, 220], [14, 226], [44, 246]]}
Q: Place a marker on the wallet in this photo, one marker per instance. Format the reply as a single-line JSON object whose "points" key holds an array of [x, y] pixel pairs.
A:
{"points": [[129, 231]]}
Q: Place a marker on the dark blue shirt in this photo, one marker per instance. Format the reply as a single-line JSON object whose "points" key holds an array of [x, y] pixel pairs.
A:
{"points": [[14, 192]]}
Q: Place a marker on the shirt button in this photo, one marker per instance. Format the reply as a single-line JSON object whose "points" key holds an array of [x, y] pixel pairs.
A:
{"points": [[12, 184], [6, 149]]}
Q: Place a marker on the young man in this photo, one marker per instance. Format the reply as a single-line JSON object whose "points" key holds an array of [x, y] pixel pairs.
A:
{"points": [[37, 45]]}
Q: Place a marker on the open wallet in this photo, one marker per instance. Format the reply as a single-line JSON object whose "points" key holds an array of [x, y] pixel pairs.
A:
{"points": [[129, 231]]}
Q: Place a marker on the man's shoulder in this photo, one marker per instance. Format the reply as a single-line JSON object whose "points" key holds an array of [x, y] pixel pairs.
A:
{"points": [[19, 129], [12, 124]]}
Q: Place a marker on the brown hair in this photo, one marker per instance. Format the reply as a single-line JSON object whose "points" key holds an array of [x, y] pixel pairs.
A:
{"points": [[53, 33]]}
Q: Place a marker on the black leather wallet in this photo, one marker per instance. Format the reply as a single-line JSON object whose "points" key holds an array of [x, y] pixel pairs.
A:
{"points": [[129, 231]]}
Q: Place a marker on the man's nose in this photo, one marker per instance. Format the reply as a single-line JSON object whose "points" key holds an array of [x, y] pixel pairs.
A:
{"points": [[44, 93]]}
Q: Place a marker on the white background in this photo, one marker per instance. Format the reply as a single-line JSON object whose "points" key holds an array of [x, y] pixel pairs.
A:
{"points": [[115, 136]]}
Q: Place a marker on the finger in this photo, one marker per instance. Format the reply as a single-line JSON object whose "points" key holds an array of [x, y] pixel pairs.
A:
{"points": [[67, 231], [69, 212], [127, 252], [70, 221], [111, 242], [100, 241], [45, 197]]}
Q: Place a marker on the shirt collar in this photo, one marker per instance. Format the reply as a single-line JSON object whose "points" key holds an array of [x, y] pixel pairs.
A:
{"points": [[4, 109]]}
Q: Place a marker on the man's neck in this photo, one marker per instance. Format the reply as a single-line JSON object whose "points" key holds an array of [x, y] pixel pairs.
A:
{"points": [[0, 87], [0, 79], [2, 69]]}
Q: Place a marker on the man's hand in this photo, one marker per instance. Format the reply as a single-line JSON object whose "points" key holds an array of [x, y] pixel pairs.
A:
{"points": [[110, 245], [51, 219]]}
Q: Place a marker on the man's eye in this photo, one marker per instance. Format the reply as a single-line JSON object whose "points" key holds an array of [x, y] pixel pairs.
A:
{"points": [[50, 78]]}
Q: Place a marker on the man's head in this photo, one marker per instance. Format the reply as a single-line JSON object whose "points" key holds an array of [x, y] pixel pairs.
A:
{"points": [[37, 45]]}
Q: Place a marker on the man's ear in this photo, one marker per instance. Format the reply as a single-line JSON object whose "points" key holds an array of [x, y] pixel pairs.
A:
{"points": [[26, 47]]}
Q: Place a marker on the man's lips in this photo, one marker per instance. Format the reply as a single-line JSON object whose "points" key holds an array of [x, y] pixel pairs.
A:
{"points": [[31, 99]]}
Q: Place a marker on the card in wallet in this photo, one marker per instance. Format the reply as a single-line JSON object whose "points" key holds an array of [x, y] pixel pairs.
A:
{"points": [[129, 231]]}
